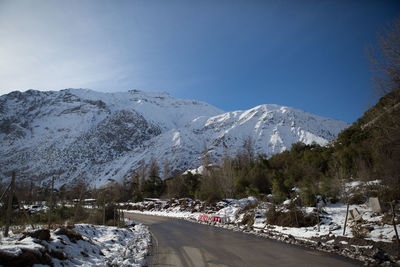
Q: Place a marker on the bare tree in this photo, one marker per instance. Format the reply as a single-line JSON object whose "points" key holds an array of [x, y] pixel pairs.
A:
{"points": [[246, 154], [142, 174], [176, 187], [154, 169], [135, 187], [166, 169], [227, 175], [385, 61], [385, 65], [206, 160]]}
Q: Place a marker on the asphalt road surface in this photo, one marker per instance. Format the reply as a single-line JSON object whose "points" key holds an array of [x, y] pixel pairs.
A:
{"points": [[182, 243]]}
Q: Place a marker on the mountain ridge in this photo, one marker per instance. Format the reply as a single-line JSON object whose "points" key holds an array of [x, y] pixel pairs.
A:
{"points": [[83, 134]]}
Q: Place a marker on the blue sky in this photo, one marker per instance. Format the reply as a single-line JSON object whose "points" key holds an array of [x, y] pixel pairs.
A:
{"points": [[232, 54]]}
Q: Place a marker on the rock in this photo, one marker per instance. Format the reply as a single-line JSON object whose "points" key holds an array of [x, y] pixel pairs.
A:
{"points": [[334, 227], [58, 254], [41, 234], [28, 257], [355, 215], [150, 206], [183, 204], [380, 255], [71, 234], [375, 205]]}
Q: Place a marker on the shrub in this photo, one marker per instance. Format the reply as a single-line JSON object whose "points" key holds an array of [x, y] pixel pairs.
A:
{"points": [[292, 218], [360, 231], [278, 191], [307, 194], [73, 235], [248, 219]]}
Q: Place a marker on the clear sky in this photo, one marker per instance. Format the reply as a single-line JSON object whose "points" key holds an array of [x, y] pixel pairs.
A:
{"points": [[232, 54]]}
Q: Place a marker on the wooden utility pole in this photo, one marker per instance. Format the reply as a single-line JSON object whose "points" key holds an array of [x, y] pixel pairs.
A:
{"points": [[345, 220], [24, 211], [51, 202], [9, 207], [104, 213], [5, 192], [114, 215], [395, 228]]}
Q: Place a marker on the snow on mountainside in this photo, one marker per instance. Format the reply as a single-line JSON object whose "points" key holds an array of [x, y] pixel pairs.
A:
{"points": [[82, 134]]}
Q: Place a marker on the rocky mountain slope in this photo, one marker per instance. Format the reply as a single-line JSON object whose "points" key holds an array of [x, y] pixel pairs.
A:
{"points": [[82, 134]]}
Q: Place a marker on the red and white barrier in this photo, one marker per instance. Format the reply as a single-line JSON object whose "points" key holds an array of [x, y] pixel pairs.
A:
{"points": [[216, 219], [203, 218], [212, 219]]}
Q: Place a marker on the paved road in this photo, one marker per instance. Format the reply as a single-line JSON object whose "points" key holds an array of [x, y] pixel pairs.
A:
{"points": [[182, 243]]}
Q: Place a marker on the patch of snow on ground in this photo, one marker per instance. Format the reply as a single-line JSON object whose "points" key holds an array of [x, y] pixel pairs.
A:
{"points": [[99, 246]]}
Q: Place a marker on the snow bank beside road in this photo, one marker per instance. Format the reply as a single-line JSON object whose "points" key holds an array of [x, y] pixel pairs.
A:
{"points": [[88, 245]]}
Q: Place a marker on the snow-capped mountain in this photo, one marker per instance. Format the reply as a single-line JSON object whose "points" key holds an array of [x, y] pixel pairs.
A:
{"points": [[82, 134]]}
